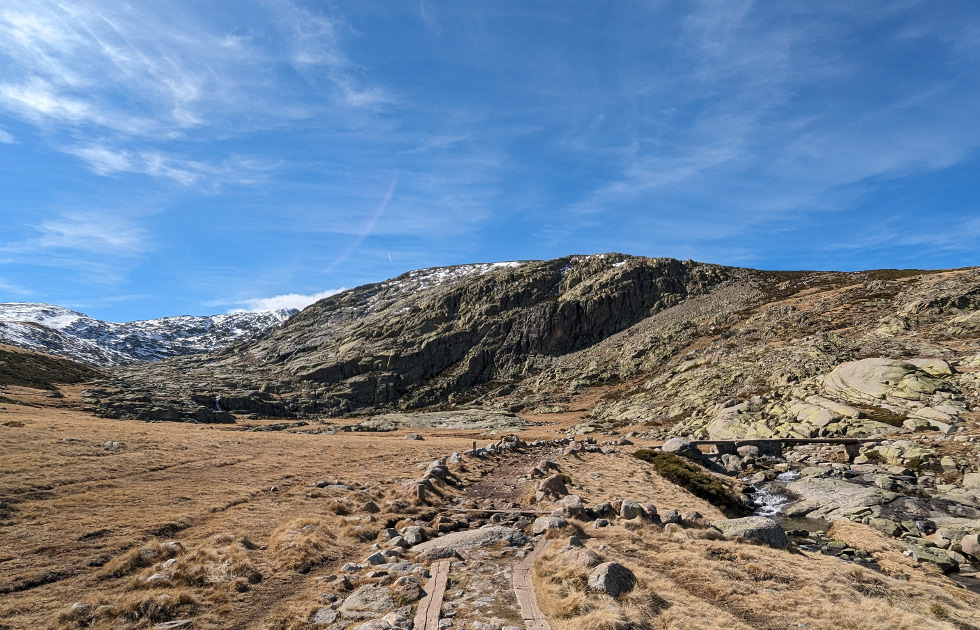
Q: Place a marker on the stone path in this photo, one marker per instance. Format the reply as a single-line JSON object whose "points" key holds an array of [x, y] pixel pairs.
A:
{"points": [[427, 615], [534, 619]]}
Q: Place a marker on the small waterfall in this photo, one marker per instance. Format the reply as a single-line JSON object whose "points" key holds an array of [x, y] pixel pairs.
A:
{"points": [[217, 403], [768, 504], [789, 475]]}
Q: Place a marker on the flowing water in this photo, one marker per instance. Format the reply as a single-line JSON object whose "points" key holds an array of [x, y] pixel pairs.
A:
{"points": [[808, 532]]}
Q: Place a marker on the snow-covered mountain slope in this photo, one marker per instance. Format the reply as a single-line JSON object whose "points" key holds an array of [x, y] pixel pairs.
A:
{"points": [[73, 335]]}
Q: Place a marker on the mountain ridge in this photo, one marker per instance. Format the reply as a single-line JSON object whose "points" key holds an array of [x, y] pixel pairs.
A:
{"points": [[73, 335]]}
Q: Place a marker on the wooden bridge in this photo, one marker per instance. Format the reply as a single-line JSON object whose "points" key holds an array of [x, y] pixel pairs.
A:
{"points": [[774, 446]]}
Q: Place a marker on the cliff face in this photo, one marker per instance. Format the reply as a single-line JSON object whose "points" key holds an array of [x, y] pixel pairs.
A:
{"points": [[418, 339], [700, 349]]}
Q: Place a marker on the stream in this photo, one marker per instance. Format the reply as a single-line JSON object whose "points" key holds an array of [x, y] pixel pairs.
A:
{"points": [[809, 533]]}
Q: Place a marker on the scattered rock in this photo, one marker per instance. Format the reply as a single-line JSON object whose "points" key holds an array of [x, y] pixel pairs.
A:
{"points": [[544, 523], [413, 535], [414, 436], [612, 579], [758, 528], [573, 506], [367, 601], [582, 557], [695, 520]]}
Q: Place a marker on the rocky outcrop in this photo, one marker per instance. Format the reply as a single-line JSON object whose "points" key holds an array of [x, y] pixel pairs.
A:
{"points": [[424, 337], [701, 350]]}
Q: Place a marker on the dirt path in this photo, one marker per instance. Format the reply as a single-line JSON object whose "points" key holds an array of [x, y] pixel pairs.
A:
{"points": [[498, 488]]}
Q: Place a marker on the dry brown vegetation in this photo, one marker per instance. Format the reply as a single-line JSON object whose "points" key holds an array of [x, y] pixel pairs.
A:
{"points": [[95, 523], [688, 581], [76, 515]]}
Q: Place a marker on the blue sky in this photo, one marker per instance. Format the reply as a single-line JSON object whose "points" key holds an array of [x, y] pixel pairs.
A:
{"points": [[162, 158]]}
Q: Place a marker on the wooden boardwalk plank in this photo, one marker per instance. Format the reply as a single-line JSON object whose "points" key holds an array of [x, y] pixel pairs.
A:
{"points": [[427, 615], [533, 618]]}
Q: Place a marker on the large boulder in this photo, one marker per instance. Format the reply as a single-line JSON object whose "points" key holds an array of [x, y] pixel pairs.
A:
{"points": [[611, 578], [630, 509], [971, 545], [544, 523], [682, 447], [553, 487], [366, 602], [473, 538], [756, 528]]}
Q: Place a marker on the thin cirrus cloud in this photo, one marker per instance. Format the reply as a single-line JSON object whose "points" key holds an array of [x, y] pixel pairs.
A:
{"points": [[84, 232], [784, 112], [125, 82]]}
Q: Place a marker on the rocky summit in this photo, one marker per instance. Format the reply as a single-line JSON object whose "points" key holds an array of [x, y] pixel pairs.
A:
{"points": [[704, 350]]}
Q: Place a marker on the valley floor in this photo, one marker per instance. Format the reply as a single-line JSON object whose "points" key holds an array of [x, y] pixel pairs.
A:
{"points": [[266, 522]]}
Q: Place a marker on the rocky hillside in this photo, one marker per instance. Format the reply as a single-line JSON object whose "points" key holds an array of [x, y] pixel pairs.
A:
{"points": [[428, 337], [38, 371], [703, 349], [73, 335]]}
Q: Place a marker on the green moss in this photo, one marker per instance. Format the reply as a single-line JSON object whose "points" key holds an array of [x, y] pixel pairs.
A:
{"points": [[695, 480]]}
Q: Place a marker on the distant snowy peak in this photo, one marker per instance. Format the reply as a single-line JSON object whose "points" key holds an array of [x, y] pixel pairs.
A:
{"points": [[70, 334]]}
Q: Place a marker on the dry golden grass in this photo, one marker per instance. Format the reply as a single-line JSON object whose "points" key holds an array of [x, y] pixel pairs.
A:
{"points": [[141, 608], [686, 580], [76, 514], [302, 544]]}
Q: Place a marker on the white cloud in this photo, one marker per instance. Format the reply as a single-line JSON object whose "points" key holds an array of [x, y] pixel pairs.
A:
{"points": [[289, 300], [6, 137]]}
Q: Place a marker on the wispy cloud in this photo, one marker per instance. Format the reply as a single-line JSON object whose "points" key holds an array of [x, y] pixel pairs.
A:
{"points": [[93, 233], [288, 300], [241, 170], [13, 288], [129, 84], [6, 137]]}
